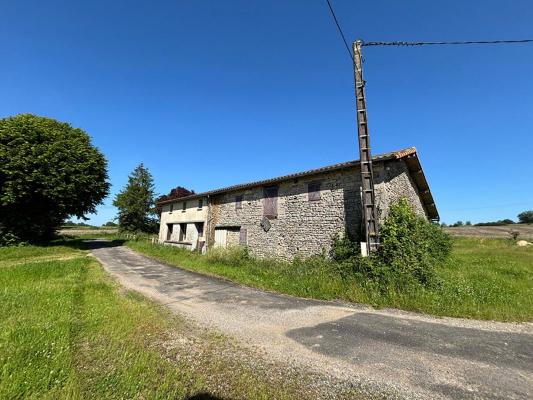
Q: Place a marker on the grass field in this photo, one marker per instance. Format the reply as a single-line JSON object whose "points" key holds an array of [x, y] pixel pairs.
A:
{"points": [[68, 331], [484, 279]]}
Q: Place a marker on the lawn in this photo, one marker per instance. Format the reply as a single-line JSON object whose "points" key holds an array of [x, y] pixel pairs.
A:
{"points": [[484, 279], [68, 331]]}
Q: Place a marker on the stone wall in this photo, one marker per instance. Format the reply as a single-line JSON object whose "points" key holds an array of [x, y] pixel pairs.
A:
{"points": [[304, 227]]}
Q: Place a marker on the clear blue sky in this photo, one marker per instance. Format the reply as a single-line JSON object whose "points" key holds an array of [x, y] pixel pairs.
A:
{"points": [[212, 93]]}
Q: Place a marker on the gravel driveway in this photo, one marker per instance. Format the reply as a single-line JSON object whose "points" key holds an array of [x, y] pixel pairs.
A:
{"points": [[395, 353]]}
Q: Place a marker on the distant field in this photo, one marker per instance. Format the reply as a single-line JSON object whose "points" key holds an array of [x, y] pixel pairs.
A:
{"points": [[75, 231], [526, 231]]}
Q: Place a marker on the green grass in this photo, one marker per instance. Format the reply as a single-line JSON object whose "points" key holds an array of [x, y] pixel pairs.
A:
{"points": [[485, 279], [68, 331]]}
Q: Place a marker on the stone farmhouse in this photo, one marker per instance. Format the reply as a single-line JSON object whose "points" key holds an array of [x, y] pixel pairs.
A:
{"points": [[296, 214]]}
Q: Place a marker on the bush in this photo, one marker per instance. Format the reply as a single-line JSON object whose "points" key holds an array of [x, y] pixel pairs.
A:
{"points": [[411, 247], [411, 250], [8, 238], [526, 217]]}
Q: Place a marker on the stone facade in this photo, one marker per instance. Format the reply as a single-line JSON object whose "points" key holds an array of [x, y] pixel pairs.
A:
{"points": [[311, 208], [305, 227]]}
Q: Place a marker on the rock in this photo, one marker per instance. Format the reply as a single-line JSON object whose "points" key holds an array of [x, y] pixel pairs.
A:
{"points": [[523, 243]]}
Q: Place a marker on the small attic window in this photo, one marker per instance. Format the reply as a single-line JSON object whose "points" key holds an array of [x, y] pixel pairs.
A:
{"points": [[313, 190], [238, 202], [171, 208]]}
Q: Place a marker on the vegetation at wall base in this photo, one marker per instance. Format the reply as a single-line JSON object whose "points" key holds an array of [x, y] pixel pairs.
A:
{"points": [[48, 172], [410, 252]]}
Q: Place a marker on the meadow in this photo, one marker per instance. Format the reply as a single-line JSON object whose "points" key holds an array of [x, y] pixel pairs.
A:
{"points": [[67, 330]]}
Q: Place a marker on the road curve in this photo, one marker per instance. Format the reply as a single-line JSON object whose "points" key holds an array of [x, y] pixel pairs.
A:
{"points": [[405, 355]]}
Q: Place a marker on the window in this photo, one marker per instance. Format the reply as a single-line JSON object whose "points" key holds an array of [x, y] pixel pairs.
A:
{"points": [[183, 232], [184, 206], [200, 228], [313, 190], [270, 202], [243, 236], [171, 208], [170, 228], [238, 202], [200, 203]]}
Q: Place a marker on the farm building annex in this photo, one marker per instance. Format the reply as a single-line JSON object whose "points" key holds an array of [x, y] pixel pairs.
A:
{"points": [[297, 214]]}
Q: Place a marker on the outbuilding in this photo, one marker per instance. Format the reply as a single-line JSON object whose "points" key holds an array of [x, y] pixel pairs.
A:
{"points": [[296, 214]]}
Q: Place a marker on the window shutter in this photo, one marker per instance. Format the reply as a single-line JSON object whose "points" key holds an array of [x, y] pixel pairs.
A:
{"points": [[238, 202], [313, 190], [243, 237], [270, 201]]}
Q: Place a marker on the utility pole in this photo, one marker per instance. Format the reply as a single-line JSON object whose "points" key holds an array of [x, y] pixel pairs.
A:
{"points": [[370, 221]]}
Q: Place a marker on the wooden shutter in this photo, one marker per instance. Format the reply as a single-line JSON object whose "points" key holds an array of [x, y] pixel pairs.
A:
{"points": [[313, 190], [270, 202], [243, 237], [238, 202]]}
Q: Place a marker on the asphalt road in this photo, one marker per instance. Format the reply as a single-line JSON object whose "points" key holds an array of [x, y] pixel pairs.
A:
{"points": [[396, 353]]}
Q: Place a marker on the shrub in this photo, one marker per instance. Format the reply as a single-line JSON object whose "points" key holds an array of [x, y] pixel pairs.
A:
{"points": [[8, 238], [411, 247], [344, 247]]}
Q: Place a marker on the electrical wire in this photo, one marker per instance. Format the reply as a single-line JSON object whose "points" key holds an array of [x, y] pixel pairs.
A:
{"points": [[447, 43], [340, 30]]}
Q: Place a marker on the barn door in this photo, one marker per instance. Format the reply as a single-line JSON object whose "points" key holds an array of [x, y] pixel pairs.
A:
{"points": [[220, 237]]}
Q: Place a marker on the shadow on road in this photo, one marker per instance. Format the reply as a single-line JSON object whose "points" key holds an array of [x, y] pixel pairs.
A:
{"points": [[355, 337], [85, 244]]}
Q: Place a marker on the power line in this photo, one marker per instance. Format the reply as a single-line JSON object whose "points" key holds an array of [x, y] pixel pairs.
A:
{"points": [[340, 30], [447, 43]]}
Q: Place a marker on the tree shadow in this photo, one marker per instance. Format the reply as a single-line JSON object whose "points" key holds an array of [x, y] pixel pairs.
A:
{"points": [[84, 243]]}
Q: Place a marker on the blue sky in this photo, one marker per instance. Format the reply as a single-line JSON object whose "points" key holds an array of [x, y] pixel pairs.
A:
{"points": [[212, 93]]}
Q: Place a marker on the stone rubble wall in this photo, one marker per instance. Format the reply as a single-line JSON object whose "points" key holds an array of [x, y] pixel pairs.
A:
{"points": [[303, 227]]}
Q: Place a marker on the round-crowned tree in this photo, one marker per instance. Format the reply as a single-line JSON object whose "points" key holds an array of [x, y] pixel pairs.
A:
{"points": [[49, 171]]}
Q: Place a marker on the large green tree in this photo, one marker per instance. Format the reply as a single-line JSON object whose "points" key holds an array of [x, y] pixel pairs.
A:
{"points": [[49, 171], [136, 202]]}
